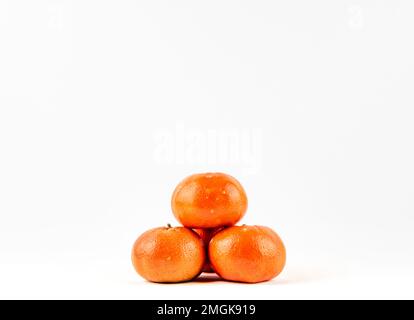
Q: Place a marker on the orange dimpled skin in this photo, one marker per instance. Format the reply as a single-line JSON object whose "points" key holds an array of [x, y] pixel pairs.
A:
{"points": [[209, 200], [247, 254], [169, 255]]}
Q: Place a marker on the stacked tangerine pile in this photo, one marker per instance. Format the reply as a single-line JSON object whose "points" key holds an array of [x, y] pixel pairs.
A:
{"points": [[208, 206]]}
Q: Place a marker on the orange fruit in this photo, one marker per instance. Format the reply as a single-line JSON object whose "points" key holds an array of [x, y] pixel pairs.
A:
{"points": [[206, 235], [247, 254], [209, 200], [169, 255]]}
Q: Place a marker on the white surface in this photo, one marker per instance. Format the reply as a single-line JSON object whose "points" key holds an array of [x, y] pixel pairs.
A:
{"points": [[105, 106]]}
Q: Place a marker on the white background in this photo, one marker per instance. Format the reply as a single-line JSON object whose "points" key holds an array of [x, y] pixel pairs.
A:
{"points": [[87, 88]]}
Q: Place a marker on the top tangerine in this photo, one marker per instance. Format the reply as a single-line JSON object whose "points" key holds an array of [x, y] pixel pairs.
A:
{"points": [[209, 200]]}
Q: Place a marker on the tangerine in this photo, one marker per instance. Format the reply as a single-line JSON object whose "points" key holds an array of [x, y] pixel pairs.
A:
{"points": [[247, 254], [169, 255], [209, 200]]}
